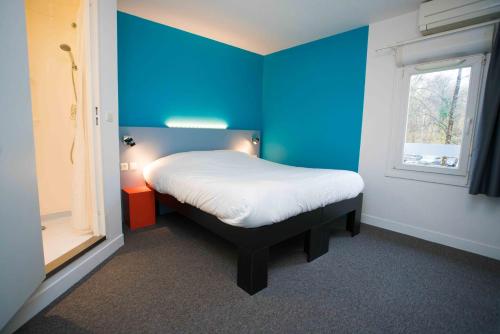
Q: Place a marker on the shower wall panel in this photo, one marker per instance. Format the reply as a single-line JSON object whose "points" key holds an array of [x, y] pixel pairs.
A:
{"points": [[49, 24]]}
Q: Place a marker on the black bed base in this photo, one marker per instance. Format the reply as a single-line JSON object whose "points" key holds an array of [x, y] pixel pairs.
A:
{"points": [[253, 243]]}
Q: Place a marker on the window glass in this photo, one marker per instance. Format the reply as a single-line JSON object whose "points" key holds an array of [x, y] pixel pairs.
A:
{"points": [[436, 116]]}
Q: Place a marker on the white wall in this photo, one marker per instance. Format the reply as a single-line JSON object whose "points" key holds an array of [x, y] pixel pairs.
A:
{"points": [[56, 285], [436, 212], [48, 26]]}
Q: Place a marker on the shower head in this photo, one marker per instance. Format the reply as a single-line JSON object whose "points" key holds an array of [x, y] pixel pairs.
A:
{"points": [[65, 47]]}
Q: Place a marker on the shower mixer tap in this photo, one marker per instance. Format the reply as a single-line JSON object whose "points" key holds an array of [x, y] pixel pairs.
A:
{"points": [[72, 115]]}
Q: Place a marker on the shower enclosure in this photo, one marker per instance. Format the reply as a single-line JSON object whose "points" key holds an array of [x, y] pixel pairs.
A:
{"points": [[59, 65]]}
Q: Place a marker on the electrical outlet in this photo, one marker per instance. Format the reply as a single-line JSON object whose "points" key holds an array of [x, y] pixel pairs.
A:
{"points": [[123, 166], [132, 165]]}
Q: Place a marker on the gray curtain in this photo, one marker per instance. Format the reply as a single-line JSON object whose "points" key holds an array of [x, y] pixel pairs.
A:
{"points": [[485, 178]]}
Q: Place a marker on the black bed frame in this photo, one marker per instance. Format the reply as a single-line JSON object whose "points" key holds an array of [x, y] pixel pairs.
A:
{"points": [[253, 243]]}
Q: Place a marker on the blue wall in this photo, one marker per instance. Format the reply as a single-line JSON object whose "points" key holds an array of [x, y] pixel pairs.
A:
{"points": [[313, 102], [167, 73], [307, 100]]}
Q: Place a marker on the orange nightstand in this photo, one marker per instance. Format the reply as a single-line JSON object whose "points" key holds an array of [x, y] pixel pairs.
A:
{"points": [[139, 207]]}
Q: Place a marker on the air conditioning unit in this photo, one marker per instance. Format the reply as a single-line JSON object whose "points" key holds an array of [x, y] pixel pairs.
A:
{"points": [[442, 15]]}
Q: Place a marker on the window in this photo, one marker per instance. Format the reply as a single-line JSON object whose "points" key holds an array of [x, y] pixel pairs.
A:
{"points": [[434, 116]]}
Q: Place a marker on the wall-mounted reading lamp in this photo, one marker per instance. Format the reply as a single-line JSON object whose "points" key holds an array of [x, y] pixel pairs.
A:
{"points": [[255, 139], [127, 140]]}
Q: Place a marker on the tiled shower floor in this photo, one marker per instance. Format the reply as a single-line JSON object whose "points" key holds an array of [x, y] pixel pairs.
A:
{"points": [[59, 237]]}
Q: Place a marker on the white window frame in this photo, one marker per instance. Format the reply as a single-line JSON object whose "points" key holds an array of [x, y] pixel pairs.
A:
{"points": [[436, 174]]}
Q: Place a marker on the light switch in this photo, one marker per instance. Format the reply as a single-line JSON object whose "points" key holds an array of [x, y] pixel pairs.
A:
{"points": [[124, 166], [109, 117], [133, 165]]}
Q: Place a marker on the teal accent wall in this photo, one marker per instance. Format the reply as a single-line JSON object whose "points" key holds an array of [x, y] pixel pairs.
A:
{"points": [[167, 73], [306, 100], [313, 102]]}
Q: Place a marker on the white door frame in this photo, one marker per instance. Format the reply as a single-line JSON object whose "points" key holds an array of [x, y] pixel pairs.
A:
{"points": [[94, 116]]}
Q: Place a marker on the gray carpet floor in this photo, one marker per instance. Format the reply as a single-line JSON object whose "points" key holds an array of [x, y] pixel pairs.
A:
{"points": [[179, 278]]}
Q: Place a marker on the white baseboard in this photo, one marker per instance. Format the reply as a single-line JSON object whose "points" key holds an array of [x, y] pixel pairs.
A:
{"points": [[433, 236], [56, 285]]}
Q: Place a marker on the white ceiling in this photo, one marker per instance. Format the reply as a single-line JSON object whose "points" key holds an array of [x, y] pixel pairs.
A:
{"points": [[266, 26]]}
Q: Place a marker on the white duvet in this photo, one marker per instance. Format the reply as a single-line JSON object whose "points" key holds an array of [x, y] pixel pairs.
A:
{"points": [[245, 191]]}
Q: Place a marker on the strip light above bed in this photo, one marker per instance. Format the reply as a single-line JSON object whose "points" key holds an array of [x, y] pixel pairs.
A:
{"points": [[196, 124]]}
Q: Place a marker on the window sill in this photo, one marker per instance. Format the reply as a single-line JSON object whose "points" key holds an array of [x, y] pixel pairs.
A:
{"points": [[447, 179]]}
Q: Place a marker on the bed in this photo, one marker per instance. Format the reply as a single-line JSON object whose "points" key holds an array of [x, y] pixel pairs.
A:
{"points": [[254, 203]]}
